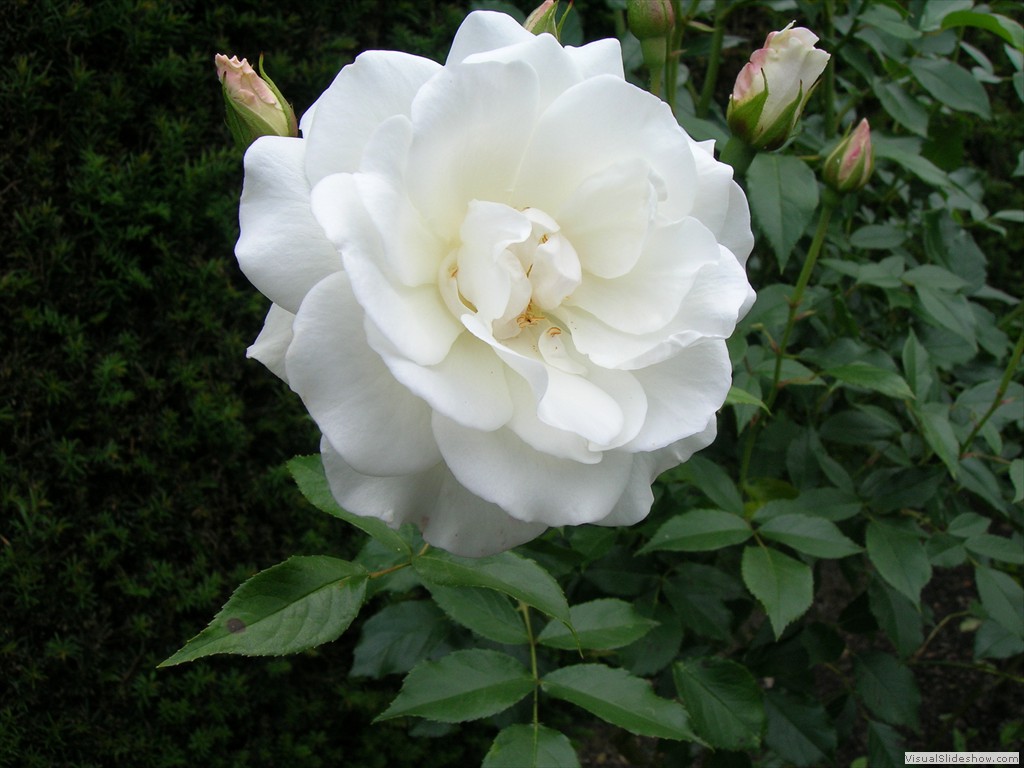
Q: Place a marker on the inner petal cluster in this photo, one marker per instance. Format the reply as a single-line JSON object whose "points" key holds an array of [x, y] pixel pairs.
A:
{"points": [[511, 268]]}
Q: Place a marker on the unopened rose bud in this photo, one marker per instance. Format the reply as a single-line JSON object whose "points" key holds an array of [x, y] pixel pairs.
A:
{"points": [[850, 164], [255, 107], [650, 18], [542, 19], [773, 87]]}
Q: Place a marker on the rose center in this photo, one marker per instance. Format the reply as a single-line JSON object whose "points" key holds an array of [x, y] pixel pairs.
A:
{"points": [[511, 269]]}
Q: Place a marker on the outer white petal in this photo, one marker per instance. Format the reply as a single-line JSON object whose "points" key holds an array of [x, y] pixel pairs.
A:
{"points": [[531, 486], [683, 392], [466, 525], [600, 122], [484, 31], [416, 319], [554, 65], [281, 248], [449, 516], [372, 420], [377, 85], [471, 124], [272, 343], [467, 386], [602, 57], [721, 205]]}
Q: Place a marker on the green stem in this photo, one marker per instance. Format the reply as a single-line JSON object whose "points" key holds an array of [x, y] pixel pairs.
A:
{"points": [[1003, 385], [828, 206], [829, 203], [714, 59], [525, 610], [739, 155]]}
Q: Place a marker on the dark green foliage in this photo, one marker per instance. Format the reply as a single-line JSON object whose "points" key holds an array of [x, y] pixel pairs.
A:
{"points": [[141, 454]]}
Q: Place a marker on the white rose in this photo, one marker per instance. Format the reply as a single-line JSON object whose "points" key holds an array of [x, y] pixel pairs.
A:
{"points": [[501, 286]]}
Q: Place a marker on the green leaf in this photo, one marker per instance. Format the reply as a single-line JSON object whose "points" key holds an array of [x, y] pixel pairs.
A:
{"points": [[939, 434], [600, 624], [907, 152], [398, 638], [308, 472], [799, 732], [739, 396], [784, 586], [699, 601], [871, 377], [620, 699], [1017, 478], [881, 237], [935, 277], [783, 194], [1008, 29], [527, 746], [885, 746], [902, 107], [700, 530], [887, 688], [1002, 598], [724, 701], [655, 650], [810, 535], [897, 616], [464, 685], [996, 547], [510, 573], [486, 612], [952, 85], [713, 481], [950, 311], [298, 604], [917, 366], [994, 641], [900, 559]]}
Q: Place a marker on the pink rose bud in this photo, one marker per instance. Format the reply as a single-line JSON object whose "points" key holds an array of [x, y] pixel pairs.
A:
{"points": [[255, 107], [773, 87], [850, 164], [542, 19]]}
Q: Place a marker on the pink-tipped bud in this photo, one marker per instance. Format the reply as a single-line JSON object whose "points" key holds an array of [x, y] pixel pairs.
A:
{"points": [[255, 107], [773, 87], [542, 19], [851, 164]]}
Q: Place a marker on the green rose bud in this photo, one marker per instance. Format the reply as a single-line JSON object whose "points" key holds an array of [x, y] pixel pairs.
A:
{"points": [[542, 19]]}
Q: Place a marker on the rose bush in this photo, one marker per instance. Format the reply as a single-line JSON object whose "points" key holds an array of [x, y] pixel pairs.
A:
{"points": [[501, 286]]}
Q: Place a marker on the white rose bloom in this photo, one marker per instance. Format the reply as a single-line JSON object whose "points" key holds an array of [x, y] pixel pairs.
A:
{"points": [[501, 286]]}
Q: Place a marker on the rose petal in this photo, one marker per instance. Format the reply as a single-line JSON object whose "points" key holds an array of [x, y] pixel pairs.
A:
{"points": [[281, 248], [272, 343], [484, 31], [376, 86], [470, 127], [598, 123], [372, 420], [681, 392], [649, 296], [531, 486], [415, 320], [467, 386], [607, 216], [448, 515]]}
